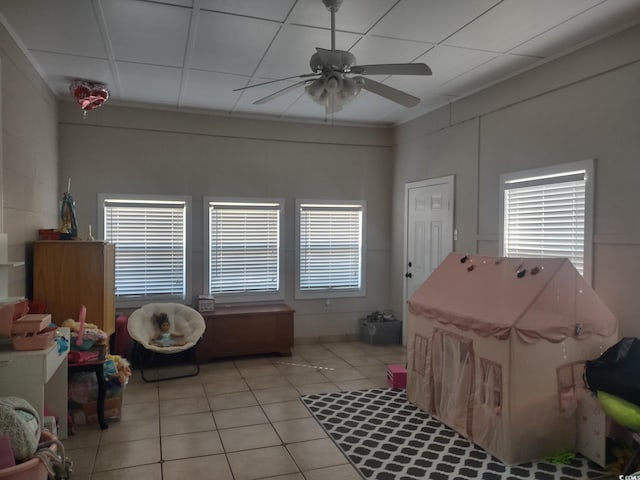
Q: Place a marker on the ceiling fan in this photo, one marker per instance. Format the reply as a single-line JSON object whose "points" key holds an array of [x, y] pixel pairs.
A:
{"points": [[331, 83]]}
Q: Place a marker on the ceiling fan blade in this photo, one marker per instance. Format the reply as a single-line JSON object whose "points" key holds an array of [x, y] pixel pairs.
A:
{"points": [[392, 69], [388, 92], [275, 95], [305, 75]]}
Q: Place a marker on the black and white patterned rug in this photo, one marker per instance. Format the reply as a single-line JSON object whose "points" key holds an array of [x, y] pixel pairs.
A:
{"points": [[388, 438]]}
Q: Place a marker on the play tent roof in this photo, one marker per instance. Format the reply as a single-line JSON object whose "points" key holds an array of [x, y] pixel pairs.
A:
{"points": [[492, 296]]}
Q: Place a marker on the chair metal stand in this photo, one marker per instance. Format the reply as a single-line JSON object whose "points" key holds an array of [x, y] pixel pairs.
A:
{"points": [[152, 360]]}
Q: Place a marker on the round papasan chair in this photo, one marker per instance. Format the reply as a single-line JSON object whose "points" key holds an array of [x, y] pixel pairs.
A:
{"points": [[184, 321]]}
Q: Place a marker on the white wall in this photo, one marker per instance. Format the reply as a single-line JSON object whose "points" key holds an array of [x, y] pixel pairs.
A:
{"points": [[29, 160], [138, 151], [585, 105]]}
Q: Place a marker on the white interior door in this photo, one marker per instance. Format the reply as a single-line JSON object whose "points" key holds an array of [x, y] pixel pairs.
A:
{"points": [[429, 229]]}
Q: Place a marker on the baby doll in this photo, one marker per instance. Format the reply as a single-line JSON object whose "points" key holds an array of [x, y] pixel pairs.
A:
{"points": [[165, 338]]}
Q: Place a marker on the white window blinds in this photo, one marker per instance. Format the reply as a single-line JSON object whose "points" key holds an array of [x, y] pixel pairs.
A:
{"points": [[244, 248], [330, 249], [150, 240], [544, 216]]}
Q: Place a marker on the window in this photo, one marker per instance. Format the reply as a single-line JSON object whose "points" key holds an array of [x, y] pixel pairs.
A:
{"points": [[570, 385], [244, 254], [150, 234], [330, 249], [491, 386], [547, 212]]}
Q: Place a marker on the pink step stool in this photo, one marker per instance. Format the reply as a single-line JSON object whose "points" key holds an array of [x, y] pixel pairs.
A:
{"points": [[396, 376]]}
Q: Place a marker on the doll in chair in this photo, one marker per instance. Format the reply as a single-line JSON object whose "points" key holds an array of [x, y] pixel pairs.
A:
{"points": [[165, 338]]}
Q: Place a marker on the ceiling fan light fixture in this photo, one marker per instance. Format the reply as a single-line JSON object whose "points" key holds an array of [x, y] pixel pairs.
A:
{"points": [[350, 87], [316, 88], [333, 83]]}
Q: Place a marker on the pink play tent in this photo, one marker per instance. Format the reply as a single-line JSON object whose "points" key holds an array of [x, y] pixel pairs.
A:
{"points": [[496, 349]]}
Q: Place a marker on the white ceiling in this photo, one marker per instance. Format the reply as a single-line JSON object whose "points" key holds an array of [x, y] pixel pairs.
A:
{"points": [[191, 54]]}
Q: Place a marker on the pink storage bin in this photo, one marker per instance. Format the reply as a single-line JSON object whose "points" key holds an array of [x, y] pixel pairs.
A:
{"points": [[31, 323], [32, 469], [6, 319], [396, 376], [20, 308], [38, 341]]}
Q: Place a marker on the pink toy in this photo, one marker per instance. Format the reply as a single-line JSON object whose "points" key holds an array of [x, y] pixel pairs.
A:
{"points": [[82, 316], [396, 376]]}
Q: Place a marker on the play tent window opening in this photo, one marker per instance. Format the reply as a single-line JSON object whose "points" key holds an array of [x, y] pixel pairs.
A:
{"points": [[151, 238], [453, 371], [548, 212], [570, 385], [491, 386], [244, 248]]}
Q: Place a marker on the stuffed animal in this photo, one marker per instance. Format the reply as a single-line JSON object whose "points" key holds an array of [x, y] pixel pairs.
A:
{"points": [[91, 331], [75, 326], [122, 369]]}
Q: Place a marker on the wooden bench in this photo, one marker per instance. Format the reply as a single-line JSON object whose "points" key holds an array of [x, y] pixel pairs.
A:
{"points": [[246, 330]]}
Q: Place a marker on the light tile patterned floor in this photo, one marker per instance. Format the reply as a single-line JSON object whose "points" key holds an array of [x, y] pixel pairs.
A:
{"points": [[239, 419]]}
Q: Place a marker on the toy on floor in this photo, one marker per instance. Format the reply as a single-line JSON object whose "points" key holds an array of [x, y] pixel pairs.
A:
{"points": [[165, 338], [117, 370], [91, 334]]}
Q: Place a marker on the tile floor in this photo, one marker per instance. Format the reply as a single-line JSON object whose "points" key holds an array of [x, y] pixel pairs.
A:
{"points": [[239, 419]]}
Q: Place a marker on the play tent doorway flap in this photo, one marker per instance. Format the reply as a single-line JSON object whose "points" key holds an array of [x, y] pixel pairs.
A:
{"points": [[496, 348]]}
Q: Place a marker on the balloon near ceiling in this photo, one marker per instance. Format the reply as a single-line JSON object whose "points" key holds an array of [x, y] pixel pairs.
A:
{"points": [[88, 95]]}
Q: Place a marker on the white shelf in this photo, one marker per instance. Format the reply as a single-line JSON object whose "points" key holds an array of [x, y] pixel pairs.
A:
{"points": [[5, 300], [5, 265], [11, 264]]}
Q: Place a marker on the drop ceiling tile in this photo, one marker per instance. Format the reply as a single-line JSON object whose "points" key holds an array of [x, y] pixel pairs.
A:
{"points": [[485, 74], [597, 20], [429, 20], [211, 90], [353, 16], [276, 10], [276, 106], [428, 103], [43, 25], [374, 50], [149, 83], [147, 32], [229, 43], [514, 22], [291, 50], [446, 63], [63, 69]]}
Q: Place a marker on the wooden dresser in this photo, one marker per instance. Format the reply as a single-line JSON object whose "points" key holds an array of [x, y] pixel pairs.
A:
{"points": [[247, 330], [71, 273]]}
